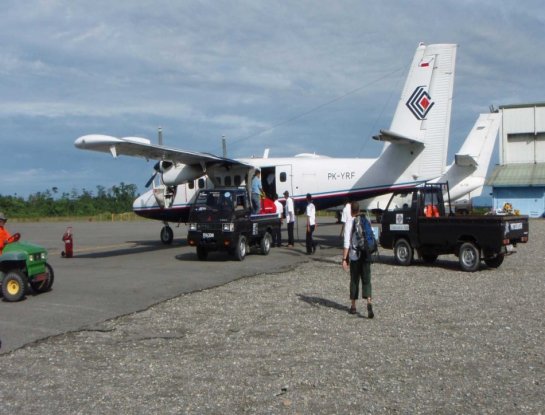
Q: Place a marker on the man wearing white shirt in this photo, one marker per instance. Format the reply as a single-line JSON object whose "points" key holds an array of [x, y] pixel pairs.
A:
{"points": [[277, 233], [290, 217], [345, 215], [311, 225]]}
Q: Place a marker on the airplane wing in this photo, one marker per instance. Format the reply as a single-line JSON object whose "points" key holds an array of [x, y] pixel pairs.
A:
{"points": [[142, 147]]}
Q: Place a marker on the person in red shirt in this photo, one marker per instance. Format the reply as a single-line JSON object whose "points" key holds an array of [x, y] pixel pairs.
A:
{"points": [[4, 234]]}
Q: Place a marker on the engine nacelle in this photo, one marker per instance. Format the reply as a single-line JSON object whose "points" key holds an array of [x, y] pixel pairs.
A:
{"points": [[179, 174]]}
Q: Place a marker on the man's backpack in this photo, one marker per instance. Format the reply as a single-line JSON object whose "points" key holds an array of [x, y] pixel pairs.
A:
{"points": [[363, 238]]}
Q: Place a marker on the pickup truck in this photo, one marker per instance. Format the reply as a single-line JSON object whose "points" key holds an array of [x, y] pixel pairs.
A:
{"points": [[415, 220], [220, 219]]}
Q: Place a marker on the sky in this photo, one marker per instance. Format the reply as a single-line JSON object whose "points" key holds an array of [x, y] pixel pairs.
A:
{"points": [[306, 76]]}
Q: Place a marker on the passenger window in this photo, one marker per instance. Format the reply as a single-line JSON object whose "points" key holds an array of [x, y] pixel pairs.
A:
{"points": [[227, 181], [218, 179], [283, 177], [201, 183], [237, 180], [191, 184]]}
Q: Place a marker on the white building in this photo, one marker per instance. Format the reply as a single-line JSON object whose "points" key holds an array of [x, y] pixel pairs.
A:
{"points": [[520, 177]]}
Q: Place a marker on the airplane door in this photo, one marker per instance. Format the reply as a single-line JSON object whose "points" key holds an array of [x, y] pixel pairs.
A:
{"points": [[276, 179]]}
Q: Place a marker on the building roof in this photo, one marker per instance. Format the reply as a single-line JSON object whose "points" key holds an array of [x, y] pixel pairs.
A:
{"points": [[529, 105], [517, 174]]}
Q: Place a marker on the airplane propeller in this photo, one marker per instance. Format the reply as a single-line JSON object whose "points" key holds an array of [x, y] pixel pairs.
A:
{"points": [[157, 168]]}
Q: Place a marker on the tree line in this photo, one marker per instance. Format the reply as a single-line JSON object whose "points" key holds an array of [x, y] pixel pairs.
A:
{"points": [[49, 203]]}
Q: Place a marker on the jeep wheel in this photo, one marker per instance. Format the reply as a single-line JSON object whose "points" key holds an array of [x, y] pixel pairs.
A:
{"points": [[469, 257], [45, 284], [403, 252], [240, 249], [202, 253], [265, 243], [14, 286], [167, 235]]}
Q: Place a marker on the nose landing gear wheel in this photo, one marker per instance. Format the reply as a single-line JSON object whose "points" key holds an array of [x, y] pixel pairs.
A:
{"points": [[167, 235]]}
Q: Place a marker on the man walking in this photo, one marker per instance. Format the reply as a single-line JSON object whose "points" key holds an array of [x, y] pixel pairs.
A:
{"points": [[357, 261]]}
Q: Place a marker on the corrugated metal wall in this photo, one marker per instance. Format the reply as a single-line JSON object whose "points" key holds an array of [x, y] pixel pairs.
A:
{"points": [[528, 200], [523, 135]]}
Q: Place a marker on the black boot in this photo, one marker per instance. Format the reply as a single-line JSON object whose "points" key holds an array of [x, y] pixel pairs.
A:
{"points": [[370, 313]]}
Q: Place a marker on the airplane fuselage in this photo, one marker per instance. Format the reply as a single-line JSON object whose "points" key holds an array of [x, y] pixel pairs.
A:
{"points": [[330, 181]]}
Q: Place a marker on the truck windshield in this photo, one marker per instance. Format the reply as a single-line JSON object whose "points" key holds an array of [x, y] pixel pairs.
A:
{"points": [[215, 200], [400, 201]]}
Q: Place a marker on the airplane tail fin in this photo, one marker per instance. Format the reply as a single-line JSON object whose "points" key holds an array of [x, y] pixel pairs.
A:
{"points": [[468, 171], [422, 116]]}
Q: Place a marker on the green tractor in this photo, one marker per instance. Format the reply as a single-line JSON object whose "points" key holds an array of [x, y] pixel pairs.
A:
{"points": [[23, 265]]}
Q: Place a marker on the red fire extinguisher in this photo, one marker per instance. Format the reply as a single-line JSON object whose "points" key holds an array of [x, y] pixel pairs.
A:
{"points": [[68, 243]]}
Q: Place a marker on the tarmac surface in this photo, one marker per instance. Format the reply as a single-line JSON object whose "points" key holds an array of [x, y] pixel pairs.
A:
{"points": [[273, 333]]}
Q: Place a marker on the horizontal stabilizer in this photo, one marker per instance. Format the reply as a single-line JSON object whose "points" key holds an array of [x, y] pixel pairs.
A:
{"points": [[465, 160], [395, 138]]}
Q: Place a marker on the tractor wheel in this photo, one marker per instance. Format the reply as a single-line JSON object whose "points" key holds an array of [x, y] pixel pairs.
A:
{"points": [[14, 286], [469, 257], [403, 252], [265, 244], [45, 285], [167, 235]]}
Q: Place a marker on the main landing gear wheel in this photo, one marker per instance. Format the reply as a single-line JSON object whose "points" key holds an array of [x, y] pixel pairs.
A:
{"points": [[14, 286], [167, 235], [469, 257], [403, 252]]}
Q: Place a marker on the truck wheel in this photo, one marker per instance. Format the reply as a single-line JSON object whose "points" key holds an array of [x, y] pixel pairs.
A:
{"points": [[403, 252], [167, 235], [14, 286], [494, 262], [469, 257], [46, 284], [202, 253], [240, 250], [265, 243]]}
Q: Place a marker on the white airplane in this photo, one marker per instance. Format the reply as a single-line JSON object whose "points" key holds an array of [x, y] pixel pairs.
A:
{"points": [[415, 151]]}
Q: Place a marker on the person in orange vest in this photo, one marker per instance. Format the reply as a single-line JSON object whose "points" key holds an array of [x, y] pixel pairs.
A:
{"points": [[431, 211], [4, 234]]}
